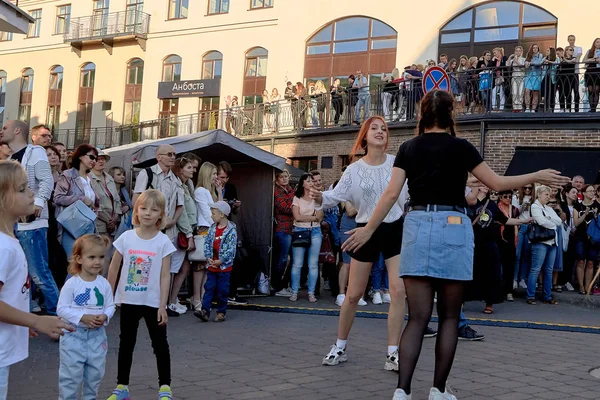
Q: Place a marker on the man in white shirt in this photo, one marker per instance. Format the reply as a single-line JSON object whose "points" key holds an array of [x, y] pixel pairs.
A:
{"points": [[41, 136], [33, 232]]}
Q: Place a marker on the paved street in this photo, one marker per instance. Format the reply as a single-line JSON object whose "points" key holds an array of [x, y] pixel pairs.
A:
{"points": [[259, 355]]}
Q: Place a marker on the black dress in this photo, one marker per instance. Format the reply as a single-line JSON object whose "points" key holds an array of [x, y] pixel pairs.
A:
{"points": [[487, 283]]}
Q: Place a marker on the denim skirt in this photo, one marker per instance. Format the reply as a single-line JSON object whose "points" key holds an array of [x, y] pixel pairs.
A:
{"points": [[437, 245]]}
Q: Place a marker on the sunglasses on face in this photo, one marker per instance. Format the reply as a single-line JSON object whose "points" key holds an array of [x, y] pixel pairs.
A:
{"points": [[505, 196], [92, 157], [494, 194], [527, 188]]}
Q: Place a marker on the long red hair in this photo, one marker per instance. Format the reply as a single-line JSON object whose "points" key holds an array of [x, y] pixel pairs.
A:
{"points": [[361, 138]]}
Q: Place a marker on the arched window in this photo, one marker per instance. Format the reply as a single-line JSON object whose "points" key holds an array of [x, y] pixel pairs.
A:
{"points": [[133, 94], [346, 45], [171, 69], [3, 78], [255, 75], [212, 65], [497, 24], [212, 68], [87, 79], [26, 95], [54, 97]]}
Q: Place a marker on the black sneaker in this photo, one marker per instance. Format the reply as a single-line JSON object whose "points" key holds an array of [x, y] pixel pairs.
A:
{"points": [[202, 314], [468, 333], [236, 301], [429, 333]]}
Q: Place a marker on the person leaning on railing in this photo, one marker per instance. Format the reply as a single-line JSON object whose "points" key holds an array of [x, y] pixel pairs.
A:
{"points": [[569, 81], [592, 74], [516, 62]]}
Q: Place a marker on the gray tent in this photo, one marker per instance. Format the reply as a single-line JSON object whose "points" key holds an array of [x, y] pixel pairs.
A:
{"points": [[253, 175]]}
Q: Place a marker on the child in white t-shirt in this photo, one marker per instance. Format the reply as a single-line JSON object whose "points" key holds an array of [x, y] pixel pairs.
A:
{"points": [[142, 262], [86, 302], [16, 201]]}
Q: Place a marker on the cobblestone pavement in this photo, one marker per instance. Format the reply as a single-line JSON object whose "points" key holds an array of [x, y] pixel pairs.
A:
{"points": [[263, 355]]}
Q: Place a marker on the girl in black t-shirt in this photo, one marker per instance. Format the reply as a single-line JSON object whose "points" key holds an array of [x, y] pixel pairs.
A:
{"points": [[586, 252], [437, 244]]}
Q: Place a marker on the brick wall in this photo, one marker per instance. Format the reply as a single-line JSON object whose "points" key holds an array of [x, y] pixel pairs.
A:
{"points": [[499, 148]]}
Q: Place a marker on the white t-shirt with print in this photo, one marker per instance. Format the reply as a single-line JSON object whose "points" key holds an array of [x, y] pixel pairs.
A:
{"points": [[79, 297], [14, 340], [139, 282]]}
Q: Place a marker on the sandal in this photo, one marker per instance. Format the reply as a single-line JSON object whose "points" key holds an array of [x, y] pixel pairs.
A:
{"points": [[531, 302], [488, 310], [557, 289], [196, 305], [551, 302], [312, 298]]}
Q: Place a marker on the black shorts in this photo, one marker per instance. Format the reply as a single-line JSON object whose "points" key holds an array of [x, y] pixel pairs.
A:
{"points": [[386, 240]]}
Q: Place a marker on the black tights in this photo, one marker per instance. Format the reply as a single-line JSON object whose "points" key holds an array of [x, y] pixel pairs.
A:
{"points": [[419, 292]]}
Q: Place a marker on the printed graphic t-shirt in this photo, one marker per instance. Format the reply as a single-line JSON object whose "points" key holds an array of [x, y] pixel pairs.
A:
{"points": [[79, 297], [14, 292], [139, 282]]}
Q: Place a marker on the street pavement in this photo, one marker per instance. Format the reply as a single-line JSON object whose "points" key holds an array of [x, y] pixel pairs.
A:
{"points": [[266, 355]]}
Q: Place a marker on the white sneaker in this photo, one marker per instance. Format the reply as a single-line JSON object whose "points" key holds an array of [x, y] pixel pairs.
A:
{"points": [[362, 302], [569, 287], [515, 285], [399, 394], [173, 308], [335, 356], [339, 300], [283, 293], [391, 361], [523, 284], [387, 298], [35, 307], [377, 298], [509, 297], [181, 309], [435, 394]]}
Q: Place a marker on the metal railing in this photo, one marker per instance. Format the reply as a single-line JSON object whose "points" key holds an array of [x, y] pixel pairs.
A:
{"points": [[99, 26], [546, 89]]}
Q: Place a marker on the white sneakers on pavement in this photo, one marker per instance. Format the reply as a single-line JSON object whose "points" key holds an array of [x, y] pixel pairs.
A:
{"points": [[377, 298], [284, 293], [178, 308], [339, 300], [523, 284], [435, 394], [335, 356], [399, 394], [362, 302], [391, 361], [387, 298]]}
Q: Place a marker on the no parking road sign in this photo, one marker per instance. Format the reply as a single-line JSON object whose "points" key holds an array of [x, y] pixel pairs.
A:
{"points": [[436, 79]]}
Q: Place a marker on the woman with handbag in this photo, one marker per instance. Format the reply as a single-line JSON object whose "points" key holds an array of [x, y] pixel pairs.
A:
{"points": [[206, 193], [284, 220], [118, 175], [74, 190], [544, 244], [186, 225], [586, 251], [306, 237]]}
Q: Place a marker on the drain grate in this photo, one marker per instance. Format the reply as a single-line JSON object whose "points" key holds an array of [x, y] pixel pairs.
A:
{"points": [[595, 372]]}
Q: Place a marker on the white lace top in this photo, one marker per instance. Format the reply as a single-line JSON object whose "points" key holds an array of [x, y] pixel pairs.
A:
{"points": [[362, 185]]}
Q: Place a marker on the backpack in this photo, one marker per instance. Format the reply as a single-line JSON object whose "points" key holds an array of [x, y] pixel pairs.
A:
{"points": [[150, 177], [593, 231]]}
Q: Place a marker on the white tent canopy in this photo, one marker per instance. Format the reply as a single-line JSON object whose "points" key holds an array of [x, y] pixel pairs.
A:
{"points": [[13, 19], [253, 176]]}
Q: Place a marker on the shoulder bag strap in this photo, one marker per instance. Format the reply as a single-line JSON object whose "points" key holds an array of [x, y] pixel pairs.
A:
{"points": [[476, 220]]}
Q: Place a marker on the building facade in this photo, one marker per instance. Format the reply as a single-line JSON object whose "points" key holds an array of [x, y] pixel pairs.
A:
{"points": [[91, 64]]}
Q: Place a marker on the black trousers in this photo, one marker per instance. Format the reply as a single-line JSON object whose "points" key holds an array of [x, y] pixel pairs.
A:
{"points": [[130, 321]]}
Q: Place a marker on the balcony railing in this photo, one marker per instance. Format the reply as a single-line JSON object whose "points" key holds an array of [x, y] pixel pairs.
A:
{"points": [[498, 92], [110, 25]]}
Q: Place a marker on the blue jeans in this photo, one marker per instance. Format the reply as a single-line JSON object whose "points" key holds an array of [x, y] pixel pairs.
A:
{"points": [[364, 100], [82, 362], [298, 254], [542, 260], [285, 242], [462, 320], [523, 260], [35, 246], [4, 382], [216, 286], [379, 276]]}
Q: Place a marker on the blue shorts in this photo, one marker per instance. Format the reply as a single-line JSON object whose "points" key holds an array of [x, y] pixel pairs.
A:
{"points": [[434, 245], [585, 250]]}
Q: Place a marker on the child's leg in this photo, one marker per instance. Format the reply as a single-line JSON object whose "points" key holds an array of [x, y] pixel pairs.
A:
{"points": [[222, 291], [72, 361], [93, 373], [129, 323], [209, 290], [158, 337], [4, 382]]}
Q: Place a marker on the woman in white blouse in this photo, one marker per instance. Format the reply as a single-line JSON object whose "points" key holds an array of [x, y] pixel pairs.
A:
{"points": [[207, 191], [543, 254]]}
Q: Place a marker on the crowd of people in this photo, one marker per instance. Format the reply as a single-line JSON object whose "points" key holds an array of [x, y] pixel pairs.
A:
{"points": [[554, 79]]}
